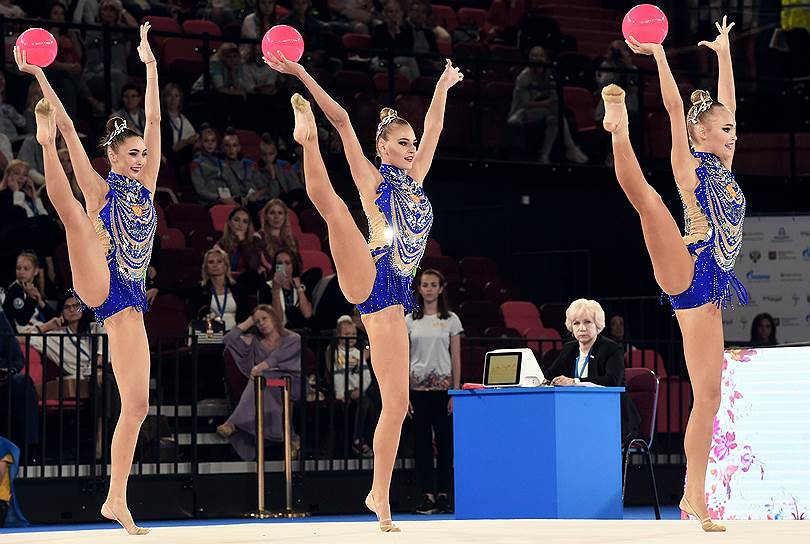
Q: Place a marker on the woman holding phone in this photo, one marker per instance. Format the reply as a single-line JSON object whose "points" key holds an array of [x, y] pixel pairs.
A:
{"points": [[285, 292]]}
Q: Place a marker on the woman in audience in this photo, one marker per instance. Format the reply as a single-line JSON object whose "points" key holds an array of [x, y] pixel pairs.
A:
{"points": [[256, 24], [763, 331], [218, 296], [179, 135], [17, 189], [25, 304], [395, 34], [208, 171], [593, 358], [260, 346], [435, 367], [132, 110], [285, 292], [239, 243], [275, 234], [280, 179], [11, 121], [695, 268], [347, 361], [617, 332]]}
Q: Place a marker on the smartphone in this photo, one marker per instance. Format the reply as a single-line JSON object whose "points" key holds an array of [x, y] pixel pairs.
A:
{"points": [[281, 267]]}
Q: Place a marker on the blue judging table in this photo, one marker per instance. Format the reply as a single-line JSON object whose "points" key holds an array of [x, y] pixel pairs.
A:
{"points": [[540, 452]]}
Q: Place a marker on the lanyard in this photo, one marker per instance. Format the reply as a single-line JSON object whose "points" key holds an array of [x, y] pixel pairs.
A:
{"points": [[78, 344], [581, 370], [178, 129], [220, 307]]}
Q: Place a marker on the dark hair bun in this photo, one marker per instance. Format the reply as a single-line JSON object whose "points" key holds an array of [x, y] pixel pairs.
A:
{"points": [[385, 112]]}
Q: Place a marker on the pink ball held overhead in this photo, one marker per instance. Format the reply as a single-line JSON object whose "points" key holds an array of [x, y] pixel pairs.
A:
{"points": [[646, 23], [283, 38], [39, 46]]}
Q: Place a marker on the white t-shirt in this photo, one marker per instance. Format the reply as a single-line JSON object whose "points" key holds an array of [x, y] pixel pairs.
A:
{"points": [[224, 306], [431, 366], [181, 128], [339, 371], [75, 349]]}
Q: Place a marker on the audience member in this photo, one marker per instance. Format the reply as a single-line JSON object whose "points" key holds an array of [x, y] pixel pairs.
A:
{"points": [[10, 119], [275, 234], [256, 24], [9, 9], [358, 16], [132, 108], [273, 352], [10, 513], [86, 11], [25, 305], [311, 29], [227, 73], [285, 292], [435, 367], [216, 11], [178, 135], [535, 102], [424, 37], [396, 36], [593, 358], [618, 68], [617, 332], [763, 331], [208, 171], [17, 188], [111, 13], [21, 423], [278, 178], [33, 96], [258, 79], [240, 244], [350, 370], [240, 173], [31, 154], [218, 294]]}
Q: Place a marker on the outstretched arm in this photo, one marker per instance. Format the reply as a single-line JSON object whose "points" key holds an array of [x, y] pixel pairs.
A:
{"points": [[92, 186], [365, 174], [434, 121], [151, 133], [725, 81], [683, 163]]}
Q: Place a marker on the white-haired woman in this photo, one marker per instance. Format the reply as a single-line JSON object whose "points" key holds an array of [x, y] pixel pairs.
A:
{"points": [[593, 358]]}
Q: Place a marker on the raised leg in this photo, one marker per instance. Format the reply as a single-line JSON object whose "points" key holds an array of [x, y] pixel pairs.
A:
{"points": [[702, 330], [355, 268], [673, 266], [129, 350], [91, 277], [388, 336]]}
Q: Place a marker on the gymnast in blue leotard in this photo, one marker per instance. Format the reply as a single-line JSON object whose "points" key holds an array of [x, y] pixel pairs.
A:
{"points": [[376, 274], [696, 270], [109, 246]]}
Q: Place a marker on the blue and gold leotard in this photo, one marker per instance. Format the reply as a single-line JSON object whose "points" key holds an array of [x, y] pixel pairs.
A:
{"points": [[125, 227], [714, 215], [399, 221]]}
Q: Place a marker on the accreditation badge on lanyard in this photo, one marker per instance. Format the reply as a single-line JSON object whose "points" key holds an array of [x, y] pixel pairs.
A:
{"points": [[580, 370]]}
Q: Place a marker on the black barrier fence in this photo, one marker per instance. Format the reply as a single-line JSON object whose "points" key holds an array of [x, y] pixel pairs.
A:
{"points": [[60, 404], [479, 121]]}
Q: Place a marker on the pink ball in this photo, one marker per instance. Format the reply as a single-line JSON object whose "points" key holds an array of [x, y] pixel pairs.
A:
{"points": [[646, 23], [39, 46], [283, 38]]}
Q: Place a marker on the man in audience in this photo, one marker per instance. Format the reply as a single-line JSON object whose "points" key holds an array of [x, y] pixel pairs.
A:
{"points": [[239, 171], [15, 383]]}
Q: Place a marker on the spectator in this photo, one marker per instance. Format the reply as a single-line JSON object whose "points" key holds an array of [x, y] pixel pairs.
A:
{"points": [[593, 358], [273, 352], [217, 11], [218, 295], [25, 305], [535, 102], [17, 188], [357, 16], [86, 11], [239, 243], [396, 36], [178, 135], [6, 153], [208, 171], [278, 178], [424, 37], [111, 13], [286, 293], [310, 28], [65, 72], [258, 79], [227, 73], [31, 153], [258, 22], [241, 173], [350, 369], [8, 9], [67, 166], [763, 331], [435, 367], [275, 234], [618, 68], [618, 333], [10, 514], [10, 118], [132, 111], [34, 95], [16, 384]]}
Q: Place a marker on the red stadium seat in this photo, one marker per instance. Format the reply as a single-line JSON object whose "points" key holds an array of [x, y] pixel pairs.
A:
{"points": [[580, 101], [477, 316], [446, 265], [201, 26], [445, 17], [479, 270], [500, 292], [433, 249], [316, 259], [219, 215], [646, 358], [249, 140], [352, 40], [166, 317], [542, 339], [187, 217], [520, 315], [475, 17], [179, 267], [161, 24], [202, 240], [552, 314], [382, 83], [172, 239], [308, 241], [311, 221]]}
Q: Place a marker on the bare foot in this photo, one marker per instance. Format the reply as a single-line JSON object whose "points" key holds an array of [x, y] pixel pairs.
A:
{"points": [[305, 128], [118, 511], [615, 110], [46, 122]]}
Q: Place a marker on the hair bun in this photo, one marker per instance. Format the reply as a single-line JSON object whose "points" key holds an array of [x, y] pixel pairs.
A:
{"points": [[385, 112], [112, 123], [699, 97]]}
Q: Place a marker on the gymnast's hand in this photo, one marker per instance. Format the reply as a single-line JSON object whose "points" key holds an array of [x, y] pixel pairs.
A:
{"points": [[451, 75], [720, 43], [22, 64], [643, 48], [144, 49], [279, 63]]}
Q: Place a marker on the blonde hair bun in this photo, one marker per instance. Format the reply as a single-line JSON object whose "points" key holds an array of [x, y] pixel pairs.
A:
{"points": [[699, 97], [385, 112]]}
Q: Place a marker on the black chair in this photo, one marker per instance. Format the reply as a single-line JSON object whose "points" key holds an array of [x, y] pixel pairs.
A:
{"points": [[642, 387]]}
